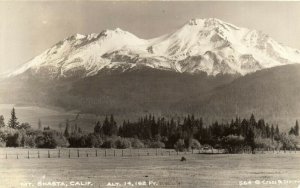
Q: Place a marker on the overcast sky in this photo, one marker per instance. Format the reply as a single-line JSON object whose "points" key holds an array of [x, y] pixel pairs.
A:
{"points": [[29, 28]]}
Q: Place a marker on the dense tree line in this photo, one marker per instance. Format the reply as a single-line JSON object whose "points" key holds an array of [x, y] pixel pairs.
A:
{"points": [[155, 132]]}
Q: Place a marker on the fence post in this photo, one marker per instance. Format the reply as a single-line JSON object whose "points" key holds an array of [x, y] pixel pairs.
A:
{"points": [[69, 154], [87, 154], [38, 153], [77, 153], [28, 154], [147, 152], [48, 154], [59, 153], [122, 153]]}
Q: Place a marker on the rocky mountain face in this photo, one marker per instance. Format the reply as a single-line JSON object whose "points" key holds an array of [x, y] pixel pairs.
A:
{"points": [[207, 67], [201, 45]]}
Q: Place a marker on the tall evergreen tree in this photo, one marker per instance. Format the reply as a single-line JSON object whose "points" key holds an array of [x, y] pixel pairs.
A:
{"points": [[272, 132], [292, 131], [2, 123], [97, 128], [67, 129], [40, 124], [13, 122], [296, 129], [113, 126]]}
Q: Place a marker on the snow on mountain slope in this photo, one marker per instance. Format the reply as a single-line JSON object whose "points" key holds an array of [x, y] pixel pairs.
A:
{"points": [[202, 45]]}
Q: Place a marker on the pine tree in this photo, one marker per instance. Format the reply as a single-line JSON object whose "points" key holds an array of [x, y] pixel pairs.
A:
{"points": [[272, 132], [75, 130], [292, 131], [113, 126], [2, 123], [79, 130], [40, 124], [97, 128], [277, 131], [106, 126], [67, 131], [296, 129], [13, 122]]}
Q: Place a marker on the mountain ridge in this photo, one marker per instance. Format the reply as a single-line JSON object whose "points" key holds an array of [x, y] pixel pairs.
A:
{"points": [[201, 45]]}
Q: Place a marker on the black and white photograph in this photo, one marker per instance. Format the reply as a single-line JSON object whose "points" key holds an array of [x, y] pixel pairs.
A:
{"points": [[191, 94]]}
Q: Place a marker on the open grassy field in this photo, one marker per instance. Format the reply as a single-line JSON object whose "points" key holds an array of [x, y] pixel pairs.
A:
{"points": [[200, 170]]}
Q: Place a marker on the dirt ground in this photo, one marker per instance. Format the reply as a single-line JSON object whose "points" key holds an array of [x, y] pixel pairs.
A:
{"points": [[199, 170]]}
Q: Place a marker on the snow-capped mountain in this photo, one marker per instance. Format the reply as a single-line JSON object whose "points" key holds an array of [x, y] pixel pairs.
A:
{"points": [[201, 45]]}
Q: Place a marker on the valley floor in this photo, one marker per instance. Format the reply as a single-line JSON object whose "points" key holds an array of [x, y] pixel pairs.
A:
{"points": [[199, 170]]}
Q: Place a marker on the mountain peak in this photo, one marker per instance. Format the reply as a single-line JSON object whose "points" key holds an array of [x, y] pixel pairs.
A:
{"points": [[208, 21], [202, 45]]}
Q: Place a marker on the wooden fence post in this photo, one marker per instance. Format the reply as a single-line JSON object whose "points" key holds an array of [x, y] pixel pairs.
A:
{"points": [[48, 154], [69, 153], [122, 153], [87, 154], [59, 153], [77, 153], [28, 154]]}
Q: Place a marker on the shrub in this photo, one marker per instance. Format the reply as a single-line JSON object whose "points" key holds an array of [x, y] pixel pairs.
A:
{"points": [[195, 144], [109, 143], [94, 140], [233, 143], [157, 144], [2, 144], [179, 145], [288, 141], [14, 140], [136, 143], [75, 140], [29, 141], [123, 143], [49, 139]]}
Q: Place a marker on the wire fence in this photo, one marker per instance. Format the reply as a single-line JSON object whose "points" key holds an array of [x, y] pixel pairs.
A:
{"points": [[23, 153]]}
